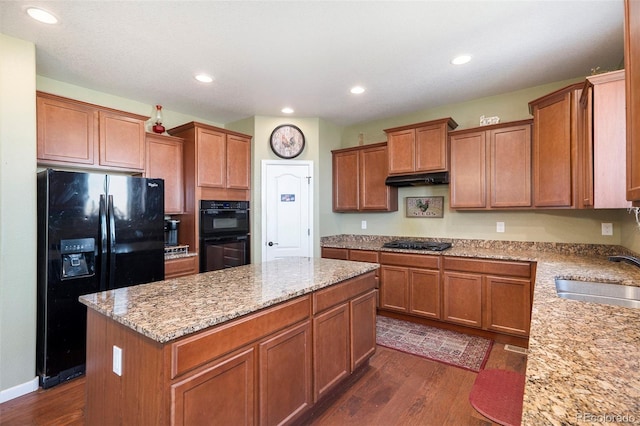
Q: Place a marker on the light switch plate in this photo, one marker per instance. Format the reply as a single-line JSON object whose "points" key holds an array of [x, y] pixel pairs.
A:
{"points": [[117, 360], [499, 226], [364, 224]]}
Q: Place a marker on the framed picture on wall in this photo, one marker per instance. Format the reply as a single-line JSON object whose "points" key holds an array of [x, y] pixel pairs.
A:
{"points": [[424, 206]]}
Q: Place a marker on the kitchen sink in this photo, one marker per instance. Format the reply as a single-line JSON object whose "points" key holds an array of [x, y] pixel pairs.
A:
{"points": [[598, 292]]}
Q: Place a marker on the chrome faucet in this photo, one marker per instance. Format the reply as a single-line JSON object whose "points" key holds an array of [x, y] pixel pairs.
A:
{"points": [[629, 259]]}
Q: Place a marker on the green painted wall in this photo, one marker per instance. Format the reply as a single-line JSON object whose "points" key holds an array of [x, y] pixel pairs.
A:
{"points": [[17, 215]]}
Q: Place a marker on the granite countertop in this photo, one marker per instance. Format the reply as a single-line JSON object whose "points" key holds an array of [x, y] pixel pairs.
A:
{"points": [[167, 310], [584, 358]]}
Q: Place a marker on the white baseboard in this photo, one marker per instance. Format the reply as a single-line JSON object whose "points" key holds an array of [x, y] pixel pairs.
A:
{"points": [[19, 390]]}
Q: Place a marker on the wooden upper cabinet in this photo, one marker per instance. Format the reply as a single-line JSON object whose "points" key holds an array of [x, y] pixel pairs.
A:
{"points": [[346, 164], [164, 160], [602, 173], [77, 134], [211, 155], [491, 166], [468, 177], [67, 130], [359, 175], [238, 161], [121, 140], [221, 158], [555, 147], [419, 148], [510, 161], [632, 88]]}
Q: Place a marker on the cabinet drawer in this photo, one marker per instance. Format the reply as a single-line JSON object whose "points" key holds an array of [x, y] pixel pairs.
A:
{"points": [[514, 269], [179, 267], [342, 292], [413, 260], [335, 253], [194, 351], [363, 256]]}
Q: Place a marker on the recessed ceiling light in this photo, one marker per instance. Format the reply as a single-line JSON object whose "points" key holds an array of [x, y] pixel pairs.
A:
{"points": [[42, 15], [462, 59], [356, 90], [204, 78], [287, 110]]}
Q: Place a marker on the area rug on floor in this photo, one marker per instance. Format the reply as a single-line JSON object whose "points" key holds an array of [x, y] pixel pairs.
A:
{"points": [[449, 347], [497, 395]]}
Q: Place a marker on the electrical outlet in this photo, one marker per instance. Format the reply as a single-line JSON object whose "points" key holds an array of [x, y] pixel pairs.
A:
{"points": [[117, 360], [364, 224], [607, 229], [499, 226]]}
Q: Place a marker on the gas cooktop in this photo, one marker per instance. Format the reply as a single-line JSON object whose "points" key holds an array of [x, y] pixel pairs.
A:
{"points": [[417, 245]]}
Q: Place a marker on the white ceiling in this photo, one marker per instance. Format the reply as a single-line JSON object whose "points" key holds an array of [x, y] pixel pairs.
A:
{"points": [[265, 55]]}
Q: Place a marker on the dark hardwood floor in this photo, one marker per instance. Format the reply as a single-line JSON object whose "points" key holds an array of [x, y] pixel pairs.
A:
{"points": [[396, 389]]}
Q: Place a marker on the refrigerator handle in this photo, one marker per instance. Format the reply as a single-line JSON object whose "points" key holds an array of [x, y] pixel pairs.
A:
{"points": [[112, 244], [103, 242]]}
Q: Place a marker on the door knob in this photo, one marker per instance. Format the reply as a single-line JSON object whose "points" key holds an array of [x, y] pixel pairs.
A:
{"points": [[271, 243]]}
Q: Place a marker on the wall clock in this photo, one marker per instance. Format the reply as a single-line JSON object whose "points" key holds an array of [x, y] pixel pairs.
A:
{"points": [[287, 141]]}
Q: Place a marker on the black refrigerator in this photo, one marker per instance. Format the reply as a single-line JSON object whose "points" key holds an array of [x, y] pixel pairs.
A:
{"points": [[95, 232]]}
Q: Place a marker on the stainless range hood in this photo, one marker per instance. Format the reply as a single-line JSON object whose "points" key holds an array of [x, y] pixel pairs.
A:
{"points": [[439, 178]]}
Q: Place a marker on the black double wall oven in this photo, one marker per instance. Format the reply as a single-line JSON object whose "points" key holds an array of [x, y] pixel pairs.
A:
{"points": [[224, 234]]}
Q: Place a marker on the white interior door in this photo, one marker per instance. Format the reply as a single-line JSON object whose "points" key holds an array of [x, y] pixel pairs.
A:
{"points": [[287, 209]]}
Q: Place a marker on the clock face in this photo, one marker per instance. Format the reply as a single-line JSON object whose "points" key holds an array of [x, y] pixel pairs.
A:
{"points": [[287, 141]]}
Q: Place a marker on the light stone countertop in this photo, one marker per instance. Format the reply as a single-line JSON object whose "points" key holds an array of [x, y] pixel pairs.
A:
{"points": [[583, 365], [167, 310]]}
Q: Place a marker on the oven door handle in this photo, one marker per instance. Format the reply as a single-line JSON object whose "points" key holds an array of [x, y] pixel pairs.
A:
{"points": [[226, 238]]}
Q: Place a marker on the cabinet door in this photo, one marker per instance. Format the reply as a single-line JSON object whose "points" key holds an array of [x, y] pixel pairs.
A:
{"points": [[632, 77], [401, 146], [510, 159], [346, 181], [394, 288], [211, 156], [331, 360], [164, 160], [285, 375], [238, 162], [224, 392], [67, 131], [508, 305], [374, 194], [424, 293], [552, 171], [431, 148], [362, 328], [468, 170], [122, 141], [462, 298]]}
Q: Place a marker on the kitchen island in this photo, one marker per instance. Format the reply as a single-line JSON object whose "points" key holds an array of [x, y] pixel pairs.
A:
{"points": [[583, 365], [256, 344]]}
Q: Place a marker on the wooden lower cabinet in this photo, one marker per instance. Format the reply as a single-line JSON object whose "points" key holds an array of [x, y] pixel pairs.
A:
{"points": [[410, 283], [462, 298], [285, 376], [424, 293], [222, 393], [180, 267], [362, 328], [257, 369], [331, 349], [507, 305], [394, 288], [491, 295]]}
